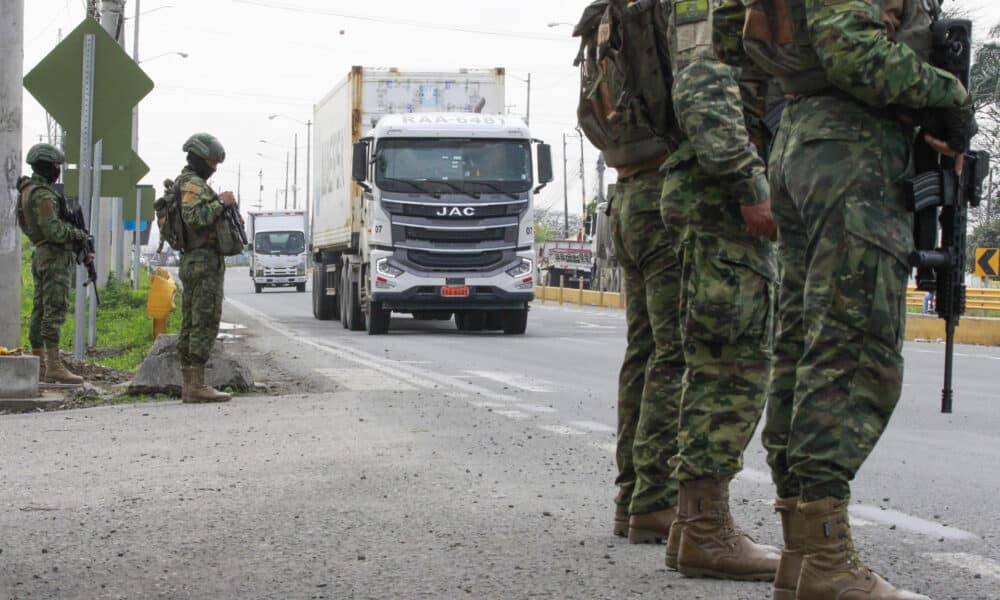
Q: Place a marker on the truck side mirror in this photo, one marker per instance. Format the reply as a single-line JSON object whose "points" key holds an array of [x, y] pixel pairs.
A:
{"points": [[359, 169], [544, 166]]}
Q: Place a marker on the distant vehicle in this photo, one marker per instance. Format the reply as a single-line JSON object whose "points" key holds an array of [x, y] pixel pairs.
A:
{"points": [[566, 262], [423, 201], [278, 250]]}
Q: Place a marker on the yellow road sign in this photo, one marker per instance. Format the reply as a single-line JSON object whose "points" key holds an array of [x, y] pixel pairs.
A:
{"points": [[987, 262]]}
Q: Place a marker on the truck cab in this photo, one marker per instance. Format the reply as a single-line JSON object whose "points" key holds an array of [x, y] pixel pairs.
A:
{"points": [[278, 250], [449, 220]]}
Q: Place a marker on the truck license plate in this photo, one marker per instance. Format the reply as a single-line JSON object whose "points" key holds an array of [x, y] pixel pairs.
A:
{"points": [[450, 291]]}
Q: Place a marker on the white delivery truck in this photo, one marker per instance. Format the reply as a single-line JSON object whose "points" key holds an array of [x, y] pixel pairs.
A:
{"points": [[278, 250], [423, 201]]}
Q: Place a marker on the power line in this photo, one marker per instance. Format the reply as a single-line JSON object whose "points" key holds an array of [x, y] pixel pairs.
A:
{"points": [[405, 22]]}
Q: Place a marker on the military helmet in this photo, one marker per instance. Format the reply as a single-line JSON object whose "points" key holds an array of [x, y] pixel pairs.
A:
{"points": [[45, 153], [206, 146]]}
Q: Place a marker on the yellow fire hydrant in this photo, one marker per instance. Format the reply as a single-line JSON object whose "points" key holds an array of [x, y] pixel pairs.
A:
{"points": [[160, 304]]}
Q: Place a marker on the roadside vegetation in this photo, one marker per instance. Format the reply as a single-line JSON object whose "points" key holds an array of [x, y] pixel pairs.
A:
{"points": [[124, 332]]}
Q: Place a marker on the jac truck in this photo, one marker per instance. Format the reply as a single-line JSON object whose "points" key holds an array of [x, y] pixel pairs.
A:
{"points": [[423, 201], [278, 250]]}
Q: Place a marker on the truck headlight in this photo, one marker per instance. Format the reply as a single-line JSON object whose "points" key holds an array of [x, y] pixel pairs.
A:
{"points": [[525, 267], [300, 269], [384, 267]]}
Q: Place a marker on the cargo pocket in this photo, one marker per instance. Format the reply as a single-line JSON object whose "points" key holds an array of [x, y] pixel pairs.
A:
{"points": [[753, 310]]}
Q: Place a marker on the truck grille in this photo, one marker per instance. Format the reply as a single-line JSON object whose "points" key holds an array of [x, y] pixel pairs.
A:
{"points": [[279, 271], [455, 262], [474, 236]]}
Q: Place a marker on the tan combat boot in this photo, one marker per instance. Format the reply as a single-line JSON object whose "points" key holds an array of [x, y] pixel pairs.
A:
{"points": [[41, 365], [621, 520], [55, 370], [793, 527], [711, 544], [651, 528], [831, 569], [674, 539], [196, 392]]}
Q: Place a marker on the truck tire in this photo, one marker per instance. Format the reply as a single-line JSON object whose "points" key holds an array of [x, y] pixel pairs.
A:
{"points": [[325, 308], [257, 288], [494, 320], [355, 318], [377, 319], [515, 322], [342, 295], [474, 320], [300, 288]]}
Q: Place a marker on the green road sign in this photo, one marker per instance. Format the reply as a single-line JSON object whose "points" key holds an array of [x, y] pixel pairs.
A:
{"points": [[116, 183], [119, 83], [117, 148], [145, 204]]}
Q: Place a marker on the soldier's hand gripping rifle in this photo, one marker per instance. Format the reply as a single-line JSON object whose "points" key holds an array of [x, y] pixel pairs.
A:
{"points": [[939, 196], [84, 249], [232, 214]]}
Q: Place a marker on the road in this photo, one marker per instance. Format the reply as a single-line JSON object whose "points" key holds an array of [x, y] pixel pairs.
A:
{"points": [[431, 463]]}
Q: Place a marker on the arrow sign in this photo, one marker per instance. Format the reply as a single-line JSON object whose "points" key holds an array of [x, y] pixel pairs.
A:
{"points": [[119, 83], [987, 262]]}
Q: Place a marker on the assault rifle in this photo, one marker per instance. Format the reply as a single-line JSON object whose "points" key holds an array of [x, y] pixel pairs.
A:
{"points": [[84, 249], [232, 214], [938, 196]]}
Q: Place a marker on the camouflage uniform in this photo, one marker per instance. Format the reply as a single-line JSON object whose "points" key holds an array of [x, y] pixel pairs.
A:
{"points": [[650, 379], [202, 270], [728, 275], [53, 260], [836, 172]]}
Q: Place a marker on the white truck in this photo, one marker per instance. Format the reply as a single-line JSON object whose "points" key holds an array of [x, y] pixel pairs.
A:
{"points": [[278, 250], [423, 201]]}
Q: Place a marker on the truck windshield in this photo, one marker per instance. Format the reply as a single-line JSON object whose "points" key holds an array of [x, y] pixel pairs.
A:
{"points": [[277, 243], [445, 166]]}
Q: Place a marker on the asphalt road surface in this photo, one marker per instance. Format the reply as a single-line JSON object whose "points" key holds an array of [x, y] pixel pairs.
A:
{"points": [[431, 463]]}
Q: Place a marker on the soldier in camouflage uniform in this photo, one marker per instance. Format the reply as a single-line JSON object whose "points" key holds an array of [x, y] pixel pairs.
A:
{"points": [[203, 267], [41, 213], [836, 171], [717, 178], [635, 139]]}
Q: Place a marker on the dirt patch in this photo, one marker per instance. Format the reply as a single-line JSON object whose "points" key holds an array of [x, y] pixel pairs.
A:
{"points": [[96, 374]]}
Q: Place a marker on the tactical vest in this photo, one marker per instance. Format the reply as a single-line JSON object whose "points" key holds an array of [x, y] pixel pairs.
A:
{"points": [[195, 238], [625, 107], [776, 36], [27, 186]]}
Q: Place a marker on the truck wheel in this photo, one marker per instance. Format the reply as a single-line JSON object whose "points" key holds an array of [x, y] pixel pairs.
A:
{"points": [[301, 288], [515, 322], [475, 320], [494, 320], [257, 288], [355, 317], [325, 308], [377, 319], [342, 296], [460, 321]]}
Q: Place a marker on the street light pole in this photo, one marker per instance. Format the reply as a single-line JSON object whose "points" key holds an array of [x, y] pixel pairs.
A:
{"points": [[295, 176], [286, 180], [565, 193], [308, 202], [260, 190], [583, 177]]}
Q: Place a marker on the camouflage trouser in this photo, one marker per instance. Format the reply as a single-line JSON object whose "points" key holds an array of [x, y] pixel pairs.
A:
{"points": [[51, 270], [203, 274], [727, 326], [650, 379], [845, 234]]}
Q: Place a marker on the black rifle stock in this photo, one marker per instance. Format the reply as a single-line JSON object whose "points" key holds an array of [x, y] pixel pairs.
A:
{"points": [[232, 213], [84, 249], [940, 199]]}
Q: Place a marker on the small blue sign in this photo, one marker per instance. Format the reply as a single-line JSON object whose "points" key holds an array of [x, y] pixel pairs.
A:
{"points": [[130, 225]]}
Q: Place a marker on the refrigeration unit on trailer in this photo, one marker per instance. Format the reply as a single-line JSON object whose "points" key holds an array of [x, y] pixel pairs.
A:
{"points": [[423, 201], [278, 254]]}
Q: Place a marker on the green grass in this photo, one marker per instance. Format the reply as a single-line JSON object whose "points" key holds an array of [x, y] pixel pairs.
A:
{"points": [[124, 332]]}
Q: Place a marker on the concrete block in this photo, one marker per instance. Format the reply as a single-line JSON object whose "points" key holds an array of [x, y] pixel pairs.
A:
{"points": [[19, 376]]}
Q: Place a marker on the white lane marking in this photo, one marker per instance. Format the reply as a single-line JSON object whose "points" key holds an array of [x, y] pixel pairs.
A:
{"points": [[977, 565], [609, 448], [958, 354], [909, 522], [510, 379], [754, 475], [361, 358], [511, 414], [536, 408], [561, 430], [579, 341], [487, 404], [362, 380], [593, 426], [586, 325], [414, 362]]}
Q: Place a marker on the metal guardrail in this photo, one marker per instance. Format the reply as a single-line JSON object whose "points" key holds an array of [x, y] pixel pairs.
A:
{"points": [[975, 298]]}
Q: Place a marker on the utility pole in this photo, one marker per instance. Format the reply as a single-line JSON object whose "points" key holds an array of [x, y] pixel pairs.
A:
{"points": [[527, 112], [107, 238], [286, 183], [11, 72], [308, 202], [565, 192], [583, 177], [260, 190], [137, 241], [295, 176], [601, 166]]}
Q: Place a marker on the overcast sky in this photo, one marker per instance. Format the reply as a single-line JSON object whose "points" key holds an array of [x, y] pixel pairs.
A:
{"points": [[248, 59]]}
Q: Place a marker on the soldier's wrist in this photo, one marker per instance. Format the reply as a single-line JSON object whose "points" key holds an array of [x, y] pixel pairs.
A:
{"points": [[753, 190]]}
